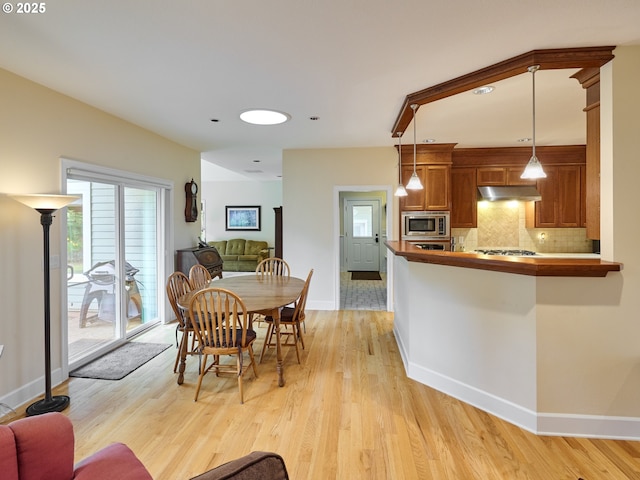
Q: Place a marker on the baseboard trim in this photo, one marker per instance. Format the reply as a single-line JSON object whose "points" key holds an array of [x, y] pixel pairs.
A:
{"points": [[30, 392], [548, 424]]}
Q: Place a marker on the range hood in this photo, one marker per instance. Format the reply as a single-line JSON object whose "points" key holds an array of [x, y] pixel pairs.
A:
{"points": [[524, 193]]}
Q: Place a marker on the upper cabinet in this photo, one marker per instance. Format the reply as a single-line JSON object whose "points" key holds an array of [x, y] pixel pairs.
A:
{"points": [[500, 176], [464, 197], [563, 192], [433, 167]]}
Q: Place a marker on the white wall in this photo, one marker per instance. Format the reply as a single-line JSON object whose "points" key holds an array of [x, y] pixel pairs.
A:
{"points": [[267, 194], [310, 203], [37, 127]]}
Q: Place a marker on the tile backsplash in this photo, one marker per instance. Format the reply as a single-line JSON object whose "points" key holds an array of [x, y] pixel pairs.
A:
{"points": [[502, 225]]}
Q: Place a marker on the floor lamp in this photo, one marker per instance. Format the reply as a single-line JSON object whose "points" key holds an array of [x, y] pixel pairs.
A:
{"points": [[47, 205]]}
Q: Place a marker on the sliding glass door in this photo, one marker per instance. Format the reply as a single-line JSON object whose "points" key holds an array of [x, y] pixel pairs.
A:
{"points": [[114, 257]]}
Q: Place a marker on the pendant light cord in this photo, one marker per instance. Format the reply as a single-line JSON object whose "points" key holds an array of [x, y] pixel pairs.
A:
{"points": [[414, 107], [399, 158], [533, 69]]}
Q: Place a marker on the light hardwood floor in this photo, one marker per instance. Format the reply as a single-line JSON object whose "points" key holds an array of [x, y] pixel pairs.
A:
{"points": [[348, 412]]}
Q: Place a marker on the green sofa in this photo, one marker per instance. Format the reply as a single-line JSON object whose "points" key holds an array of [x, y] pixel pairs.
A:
{"points": [[241, 255]]}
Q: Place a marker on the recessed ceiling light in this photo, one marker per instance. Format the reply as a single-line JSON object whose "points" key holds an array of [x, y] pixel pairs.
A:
{"points": [[525, 139], [264, 117], [484, 90], [429, 140]]}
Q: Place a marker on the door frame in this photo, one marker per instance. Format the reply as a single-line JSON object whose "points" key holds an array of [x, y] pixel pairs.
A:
{"points": [[165, 241], [347, 226], [391, 212]]}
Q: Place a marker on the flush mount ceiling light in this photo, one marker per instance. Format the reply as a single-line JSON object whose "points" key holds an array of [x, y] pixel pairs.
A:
{"points": [[400, 191], [414, 182], [533, 169], [484, 90], [264, 117]]}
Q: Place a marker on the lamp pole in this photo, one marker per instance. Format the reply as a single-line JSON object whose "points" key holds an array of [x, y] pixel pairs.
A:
{"points": [[46, 205], [49, 403]]}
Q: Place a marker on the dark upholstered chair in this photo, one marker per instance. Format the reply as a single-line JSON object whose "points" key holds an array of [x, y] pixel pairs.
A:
{"points": [[254, 466]]}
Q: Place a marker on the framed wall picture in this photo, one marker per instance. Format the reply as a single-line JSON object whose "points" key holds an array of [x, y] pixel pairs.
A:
{"points": [[242, 218]]}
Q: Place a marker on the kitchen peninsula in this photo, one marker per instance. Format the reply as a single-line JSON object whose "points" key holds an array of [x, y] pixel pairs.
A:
{"points": [[510, 335], [559, 266]]}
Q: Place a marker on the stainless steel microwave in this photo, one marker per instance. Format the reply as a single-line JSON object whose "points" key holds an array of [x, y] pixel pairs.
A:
{"points": [[425, 225]]}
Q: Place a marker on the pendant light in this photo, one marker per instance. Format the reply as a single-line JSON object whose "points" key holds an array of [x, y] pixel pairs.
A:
{"points": [[533, 169], [414, 181], [400, 191]]}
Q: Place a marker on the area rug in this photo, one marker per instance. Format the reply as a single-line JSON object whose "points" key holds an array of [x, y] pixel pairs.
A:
{"points": [[365, 276], [120, 362]]}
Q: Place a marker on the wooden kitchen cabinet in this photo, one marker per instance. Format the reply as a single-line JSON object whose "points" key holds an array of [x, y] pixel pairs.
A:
{"points": [[464, 198], [415, 199], [500, 176], [433, 166], [435, 195], [562, 198], [437, 186], [491, 176], [513, 177]]}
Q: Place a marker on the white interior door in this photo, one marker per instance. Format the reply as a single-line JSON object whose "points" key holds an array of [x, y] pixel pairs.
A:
{"points": [[362, 234]]}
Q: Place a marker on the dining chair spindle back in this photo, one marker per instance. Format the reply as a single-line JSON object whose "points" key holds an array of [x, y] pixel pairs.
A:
{"points": [[291, 319], [177, 285], [221, 324], [199, 276]]}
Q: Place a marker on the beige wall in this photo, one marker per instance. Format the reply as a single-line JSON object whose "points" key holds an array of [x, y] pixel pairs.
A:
{"points": [[310, 208], [37, 127]]}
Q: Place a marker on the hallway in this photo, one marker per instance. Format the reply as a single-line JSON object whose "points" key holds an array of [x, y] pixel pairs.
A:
{"points": [[363, 294]]}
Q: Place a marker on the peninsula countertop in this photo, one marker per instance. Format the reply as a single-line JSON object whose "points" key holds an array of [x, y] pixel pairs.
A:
{"points": [[543, 265]]}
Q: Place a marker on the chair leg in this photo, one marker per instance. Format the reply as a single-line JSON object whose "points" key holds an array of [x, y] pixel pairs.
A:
{"points": [[253, 361], [240, 372], [202, 373], [175, 366], [267, 340], [295, 343], [300, 335]]}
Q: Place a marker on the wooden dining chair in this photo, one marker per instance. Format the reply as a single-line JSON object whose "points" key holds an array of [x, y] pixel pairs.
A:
{"points": [[221, 325], [291, 318], [177, 285], [269, 266], [273, 266], [199, 276]]}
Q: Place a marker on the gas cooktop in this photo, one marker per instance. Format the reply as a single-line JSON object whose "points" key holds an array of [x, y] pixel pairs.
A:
{"points": [[508, 251]]}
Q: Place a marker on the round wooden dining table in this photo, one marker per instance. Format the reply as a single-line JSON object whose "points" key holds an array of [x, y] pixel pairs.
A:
{"points": [[265, 294]]}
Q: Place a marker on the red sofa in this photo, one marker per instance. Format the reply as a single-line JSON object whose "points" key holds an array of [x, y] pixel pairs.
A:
{"points": [[42, 447]]}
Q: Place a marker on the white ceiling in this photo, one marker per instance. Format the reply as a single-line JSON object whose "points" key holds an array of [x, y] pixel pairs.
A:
{"points": [[172, 66]]}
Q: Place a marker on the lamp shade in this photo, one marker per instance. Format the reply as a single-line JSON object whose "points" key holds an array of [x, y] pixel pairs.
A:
{"points": [[401, 191], [44, 201], [414, 182], [533, 169]]}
